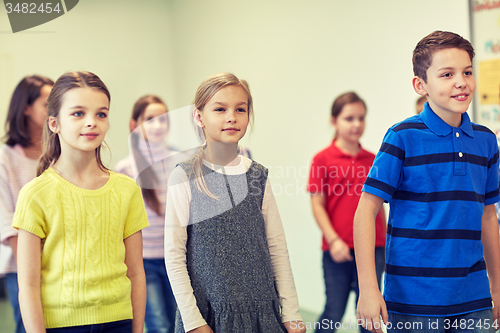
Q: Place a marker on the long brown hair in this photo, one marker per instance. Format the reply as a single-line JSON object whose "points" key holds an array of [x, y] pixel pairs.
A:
{"points": [[25, 94], [207, 89], [66, 82], [147, 177]]}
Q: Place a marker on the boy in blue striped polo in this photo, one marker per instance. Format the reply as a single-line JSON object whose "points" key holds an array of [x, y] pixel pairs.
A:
{"points": [[439, 173]]}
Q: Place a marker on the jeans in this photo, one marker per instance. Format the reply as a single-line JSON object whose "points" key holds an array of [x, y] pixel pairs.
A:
{"points": [[13, 291], [340, 279], [122, 326], [479, 322], [160, 306]]}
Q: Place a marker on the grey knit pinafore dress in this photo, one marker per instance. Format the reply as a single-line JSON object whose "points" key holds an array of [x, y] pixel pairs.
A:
{"points": [[228, 256]]}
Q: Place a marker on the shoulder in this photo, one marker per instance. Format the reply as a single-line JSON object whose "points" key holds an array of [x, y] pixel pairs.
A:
{"points": [[123, 180], [480, 129], [41, 187], [322, 154], [412, 123], [177, 176], [124, 165], [255, 167], [9, 155]]}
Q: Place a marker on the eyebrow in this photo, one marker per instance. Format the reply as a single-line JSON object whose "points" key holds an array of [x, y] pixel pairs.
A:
{"points": [[224, 104], [82, 107], [452, 68]]}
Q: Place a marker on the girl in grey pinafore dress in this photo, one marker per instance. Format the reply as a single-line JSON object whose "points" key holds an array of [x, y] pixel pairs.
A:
{"points": [[227, 256]]}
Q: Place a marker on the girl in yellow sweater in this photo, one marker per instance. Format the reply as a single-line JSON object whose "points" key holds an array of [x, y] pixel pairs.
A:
{"points": [[80, 243]]}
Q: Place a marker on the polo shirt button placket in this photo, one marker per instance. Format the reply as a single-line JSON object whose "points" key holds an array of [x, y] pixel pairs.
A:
{"points": [[458, 165]]}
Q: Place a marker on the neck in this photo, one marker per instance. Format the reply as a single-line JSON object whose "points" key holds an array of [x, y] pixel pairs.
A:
{"points": [[78, 165], [351, 148], [220, 153], [34, 151]]}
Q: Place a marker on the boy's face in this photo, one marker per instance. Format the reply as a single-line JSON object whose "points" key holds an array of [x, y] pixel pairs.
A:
{"points": [[450, 84]]}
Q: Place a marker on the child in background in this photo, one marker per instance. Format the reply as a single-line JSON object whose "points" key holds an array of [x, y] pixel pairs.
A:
{"points": [[419, 104], [439, 173], [18, 161], [336, 177], [150, 113], [80, 244], [225, 248]]}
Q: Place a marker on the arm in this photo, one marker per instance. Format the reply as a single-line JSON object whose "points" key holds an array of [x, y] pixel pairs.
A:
{"points": [[370, 304], [29, 272], [339, 250], [176, 221], [490, 239], [137, 277], [281, 264], [13, 244]]}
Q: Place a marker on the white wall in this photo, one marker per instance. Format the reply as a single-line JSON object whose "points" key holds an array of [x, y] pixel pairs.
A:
{"points": [[297, 56]]}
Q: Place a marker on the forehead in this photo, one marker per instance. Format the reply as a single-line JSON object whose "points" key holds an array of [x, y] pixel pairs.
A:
{"points": [[85, 97], [154, 109], [450, 57], [230, 94], [353, 109]]}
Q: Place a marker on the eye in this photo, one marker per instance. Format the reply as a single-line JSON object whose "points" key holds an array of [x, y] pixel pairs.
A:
{"points": [[219, 109], [468, 73], [102, 115], [349, 119], [77, 114], [446, 75], [242, 110]]}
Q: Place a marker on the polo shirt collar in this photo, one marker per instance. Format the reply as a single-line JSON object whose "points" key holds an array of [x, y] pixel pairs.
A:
{"points": [[335, 150], [440, 127]]}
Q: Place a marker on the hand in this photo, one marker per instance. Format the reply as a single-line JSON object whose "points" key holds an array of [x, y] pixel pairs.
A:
{"points": [[202, 329], [340, 252], [495, 296], [370, 306], [295, 326]]}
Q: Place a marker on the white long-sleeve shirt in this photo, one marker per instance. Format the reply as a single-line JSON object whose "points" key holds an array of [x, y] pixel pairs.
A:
{"points": [[176, 222]]}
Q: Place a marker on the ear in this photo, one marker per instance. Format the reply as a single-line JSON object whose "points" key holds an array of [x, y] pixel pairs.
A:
{"points": [[27, 112], [333, 121], [132, 125], [419, 86], [53, 126], [197, 118]]}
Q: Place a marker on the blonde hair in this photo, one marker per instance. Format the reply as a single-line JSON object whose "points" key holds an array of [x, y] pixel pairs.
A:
{"points": [[51, 143], [207, 89]]}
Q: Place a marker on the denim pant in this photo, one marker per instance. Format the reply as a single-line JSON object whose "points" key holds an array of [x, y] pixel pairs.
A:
{"points": [[160, 306], [13, 291], [479, 322], [122, 326], [340, 279]]}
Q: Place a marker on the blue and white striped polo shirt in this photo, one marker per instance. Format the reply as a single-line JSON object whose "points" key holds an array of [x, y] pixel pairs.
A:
{"points": [[437, 179]]}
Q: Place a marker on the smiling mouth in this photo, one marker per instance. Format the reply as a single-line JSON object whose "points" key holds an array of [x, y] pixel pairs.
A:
{"points": [[461, 96]]}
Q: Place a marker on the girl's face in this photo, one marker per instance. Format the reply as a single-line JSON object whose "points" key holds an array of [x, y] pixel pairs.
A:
{"points": [[37, 112], [83, 119], [225, 116], [154, 119], [350, 123]]}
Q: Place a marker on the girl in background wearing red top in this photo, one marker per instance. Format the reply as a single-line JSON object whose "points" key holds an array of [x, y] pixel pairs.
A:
{"points": [[336, 178]]}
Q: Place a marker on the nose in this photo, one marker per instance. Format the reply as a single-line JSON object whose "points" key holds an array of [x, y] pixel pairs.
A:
{"points": [[90, 122], [460, 82], [231, 116]]}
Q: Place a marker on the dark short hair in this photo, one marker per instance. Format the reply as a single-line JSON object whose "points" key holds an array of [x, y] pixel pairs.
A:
{"points": [[343, 100], [25, 94], [438, 40]]}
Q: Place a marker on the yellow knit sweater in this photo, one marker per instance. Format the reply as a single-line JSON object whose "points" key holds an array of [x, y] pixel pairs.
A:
{"points": [[83, 277]]}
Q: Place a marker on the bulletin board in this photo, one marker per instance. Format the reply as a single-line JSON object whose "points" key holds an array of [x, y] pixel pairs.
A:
{"points": [[485, 37]]}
